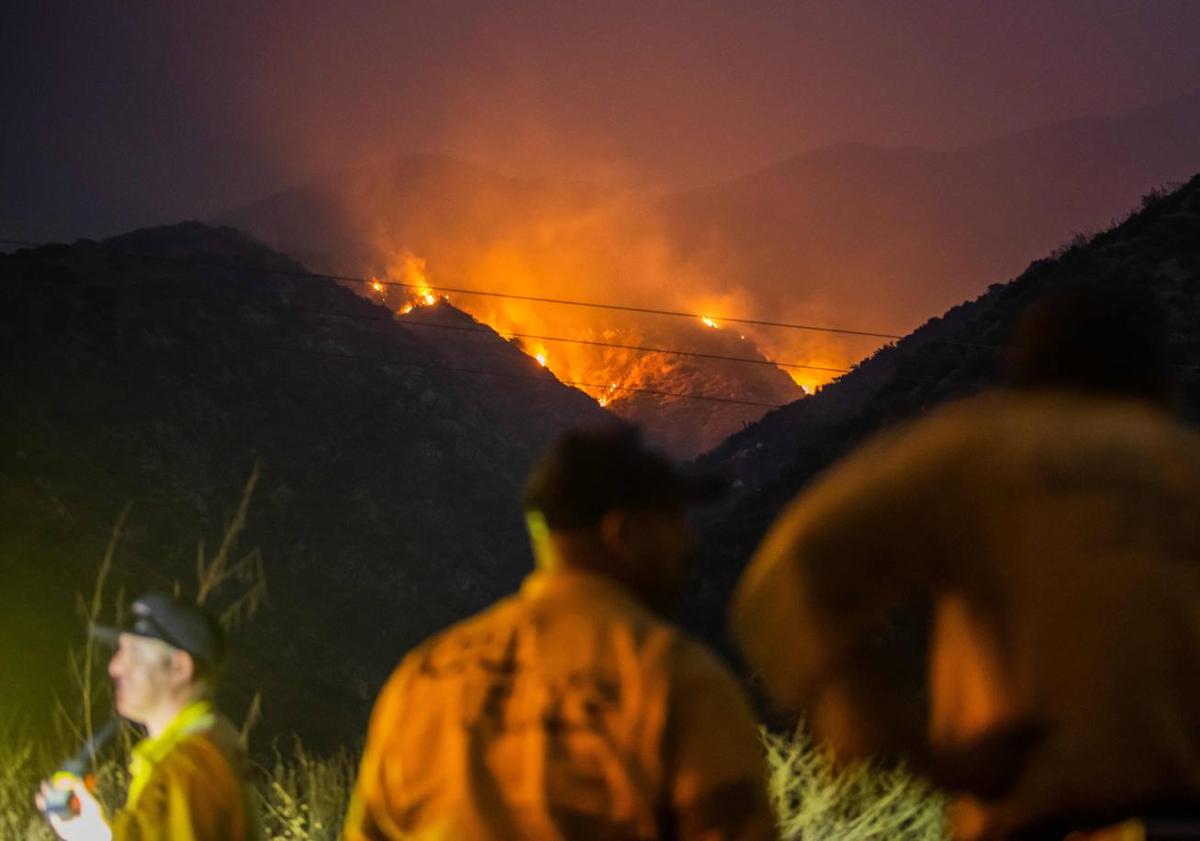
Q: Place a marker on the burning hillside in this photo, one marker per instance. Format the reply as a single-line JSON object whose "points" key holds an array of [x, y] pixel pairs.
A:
{"points": [[688, 382], [568, 242]]}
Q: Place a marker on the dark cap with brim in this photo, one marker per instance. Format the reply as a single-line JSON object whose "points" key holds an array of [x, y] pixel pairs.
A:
{"points": [[586, 474], [177, 623]]}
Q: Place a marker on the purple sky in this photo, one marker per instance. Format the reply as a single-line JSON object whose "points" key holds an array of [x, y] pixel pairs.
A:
{"points": [[117, 118]]}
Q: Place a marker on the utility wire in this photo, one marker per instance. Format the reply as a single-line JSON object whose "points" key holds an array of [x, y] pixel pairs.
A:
{"points": [[307, 275], [547, 378], [486, 330], [297, 273]]}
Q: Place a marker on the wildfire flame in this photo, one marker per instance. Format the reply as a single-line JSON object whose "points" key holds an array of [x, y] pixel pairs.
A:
{"points": [[606, 398], [410, 272], [596, 353]]}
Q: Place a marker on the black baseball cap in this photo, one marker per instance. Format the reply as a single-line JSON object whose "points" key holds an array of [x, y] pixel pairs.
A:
{"points": [[587, 473], [177, 623]]}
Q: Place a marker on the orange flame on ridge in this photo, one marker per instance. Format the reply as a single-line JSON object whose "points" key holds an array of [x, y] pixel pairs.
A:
{"points": [[410, 271], [583, 359]]}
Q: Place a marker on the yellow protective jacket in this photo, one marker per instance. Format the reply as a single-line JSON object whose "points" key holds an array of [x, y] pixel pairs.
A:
{"points": [[564, 712], [188, 784], [1030, 564]]}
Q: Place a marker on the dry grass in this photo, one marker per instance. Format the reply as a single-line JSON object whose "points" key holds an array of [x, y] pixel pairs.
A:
{"points": [[304, 798], [20, 764], [815, 800]]}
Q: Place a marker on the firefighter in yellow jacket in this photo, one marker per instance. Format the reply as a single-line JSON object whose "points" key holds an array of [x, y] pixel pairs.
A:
{"points": [[572, 710], [188, 778]]}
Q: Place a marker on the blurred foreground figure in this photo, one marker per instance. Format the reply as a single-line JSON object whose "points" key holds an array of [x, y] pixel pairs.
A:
{"points": [[1007, 592], [572, 710], [188, 776]]}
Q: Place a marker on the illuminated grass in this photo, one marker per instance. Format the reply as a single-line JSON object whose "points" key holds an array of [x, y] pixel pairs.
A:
{"points": [[304, 798], [301, 797], [816, 801]]}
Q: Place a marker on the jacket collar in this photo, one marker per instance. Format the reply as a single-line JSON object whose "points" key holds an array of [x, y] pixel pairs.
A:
{"points": [[148, 753]]}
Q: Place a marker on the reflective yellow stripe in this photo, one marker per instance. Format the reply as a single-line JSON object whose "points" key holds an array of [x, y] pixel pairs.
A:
{"points": [[147, 753]]}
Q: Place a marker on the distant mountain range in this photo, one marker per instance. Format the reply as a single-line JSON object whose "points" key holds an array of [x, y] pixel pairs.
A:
{"points": [[852, 236], [881, 237], [1156, 251], [390, 471]]}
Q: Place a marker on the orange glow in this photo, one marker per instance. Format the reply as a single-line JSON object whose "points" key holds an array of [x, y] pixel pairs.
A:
{"points": [[608, 250], [607, 396], [440, 223], [376, 286], [589, 356], [410, 271]]}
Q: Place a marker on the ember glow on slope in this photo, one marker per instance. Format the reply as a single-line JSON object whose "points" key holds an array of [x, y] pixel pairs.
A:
{"points": [[409, 270], [573, 362], [599, 246], [603, 257]]}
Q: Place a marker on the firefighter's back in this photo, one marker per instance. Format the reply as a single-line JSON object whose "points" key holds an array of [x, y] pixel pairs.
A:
{"points": [[544, 717]]}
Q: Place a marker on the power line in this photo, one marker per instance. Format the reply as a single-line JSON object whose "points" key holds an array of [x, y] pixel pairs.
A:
{"points": [[609, 387], [297, 273], [490, 331], [544, 379], [539, 378], [486, 330], [548, 378], [307, 275]]}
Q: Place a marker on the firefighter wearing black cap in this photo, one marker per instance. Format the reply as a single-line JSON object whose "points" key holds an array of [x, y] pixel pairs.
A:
{"points": [[572, 710], [187, 777]]}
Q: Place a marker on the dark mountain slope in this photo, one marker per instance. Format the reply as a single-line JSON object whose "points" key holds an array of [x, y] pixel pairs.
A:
{"points": [[387, 505], [1157, 250]]}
